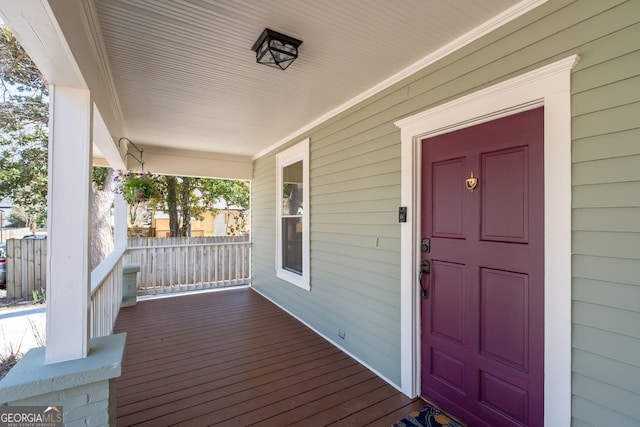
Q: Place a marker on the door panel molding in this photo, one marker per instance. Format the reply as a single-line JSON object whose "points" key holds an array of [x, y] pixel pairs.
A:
{"points": [[497, 225], [548, 86]]}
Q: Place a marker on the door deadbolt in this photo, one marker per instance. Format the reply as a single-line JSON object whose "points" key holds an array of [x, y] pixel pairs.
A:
{"points": [[426, 245]]}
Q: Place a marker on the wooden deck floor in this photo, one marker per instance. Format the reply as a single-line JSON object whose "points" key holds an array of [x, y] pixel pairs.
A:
{"points": [[234, 358]]}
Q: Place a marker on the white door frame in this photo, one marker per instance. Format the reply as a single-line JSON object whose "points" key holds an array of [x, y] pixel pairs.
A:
{"points": [[548, 86]]}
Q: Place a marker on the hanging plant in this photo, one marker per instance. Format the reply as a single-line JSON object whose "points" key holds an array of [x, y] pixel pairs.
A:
{"points": [[136, 187]]}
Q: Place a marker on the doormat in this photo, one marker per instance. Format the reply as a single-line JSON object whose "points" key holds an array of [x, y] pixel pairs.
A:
{"points": [[429, 416]]}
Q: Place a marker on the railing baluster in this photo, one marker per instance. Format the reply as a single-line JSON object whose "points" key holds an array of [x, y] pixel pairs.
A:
{"points": [[174, 268], [217, 261], [208, 266], [106, 294], [229, 264], [224, 269], [179, 256], [153, 267], [236, 276], [194, 268], [201, 267], [243, 255]]}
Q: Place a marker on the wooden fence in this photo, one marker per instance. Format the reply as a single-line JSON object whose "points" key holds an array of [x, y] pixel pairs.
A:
{"points": [[26, 267], [178, 264], [166, 264]]}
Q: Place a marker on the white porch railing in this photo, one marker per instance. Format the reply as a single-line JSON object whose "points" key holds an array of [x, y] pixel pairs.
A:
{"points": [[106, 294], [166, 269], [193, 266]]}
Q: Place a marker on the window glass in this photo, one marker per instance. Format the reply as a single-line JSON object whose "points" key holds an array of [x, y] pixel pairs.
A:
{"points": [[292, 244], [292, 189], [292, 211]]}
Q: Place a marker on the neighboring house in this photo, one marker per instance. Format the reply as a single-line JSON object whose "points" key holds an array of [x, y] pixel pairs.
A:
{"points": [[222, 222], [508, 161]]}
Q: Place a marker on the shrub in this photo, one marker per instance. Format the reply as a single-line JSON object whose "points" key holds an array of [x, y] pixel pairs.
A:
{"points": [[39, 296]]}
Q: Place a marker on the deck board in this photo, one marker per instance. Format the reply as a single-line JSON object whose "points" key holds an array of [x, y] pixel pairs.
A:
{"points": [[234, 358]]}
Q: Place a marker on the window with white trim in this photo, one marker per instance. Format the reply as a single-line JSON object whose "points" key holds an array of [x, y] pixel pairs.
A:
{"points": [[292, 227]]}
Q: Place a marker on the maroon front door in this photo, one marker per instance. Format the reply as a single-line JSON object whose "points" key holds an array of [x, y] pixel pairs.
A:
{"points": [[483, 313]]}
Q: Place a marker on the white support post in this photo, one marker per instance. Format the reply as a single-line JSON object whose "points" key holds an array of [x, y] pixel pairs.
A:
{"points": [[120, 222], [68, 271]]}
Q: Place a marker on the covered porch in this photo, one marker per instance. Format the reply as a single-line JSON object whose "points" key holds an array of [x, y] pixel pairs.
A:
{"points": [[233, 357], [345, 124]]}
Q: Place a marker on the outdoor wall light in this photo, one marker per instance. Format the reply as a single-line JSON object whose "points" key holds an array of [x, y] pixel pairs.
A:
{"points": [[275, 49]]}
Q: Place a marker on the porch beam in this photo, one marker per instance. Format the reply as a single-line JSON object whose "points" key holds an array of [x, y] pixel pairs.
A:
{"points": [[34, 25], [105, 145], [68, 270], [171, 161]]}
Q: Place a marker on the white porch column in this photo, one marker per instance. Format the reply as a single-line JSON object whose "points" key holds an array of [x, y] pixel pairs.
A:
{"points": [[68, 272], [120, 222]]}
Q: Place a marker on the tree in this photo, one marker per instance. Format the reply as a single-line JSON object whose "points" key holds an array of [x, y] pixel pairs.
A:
{"points": [[18, 217], [187, 197], [181, 197], [24, 116], [172, 204], [102, 200], [233, 192], [185, 207]]}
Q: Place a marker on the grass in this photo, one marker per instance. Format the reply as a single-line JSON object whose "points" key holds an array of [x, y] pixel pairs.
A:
{"points": [[9, 360], [13, 354]]}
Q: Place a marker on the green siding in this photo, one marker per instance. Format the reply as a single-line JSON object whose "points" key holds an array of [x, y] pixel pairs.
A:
{"points": [[607, 146], [596, 415], [609, 370], [355, 193]]}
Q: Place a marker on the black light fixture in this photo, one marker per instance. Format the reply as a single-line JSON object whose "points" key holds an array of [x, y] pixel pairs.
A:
{"points": [[275, 49]]}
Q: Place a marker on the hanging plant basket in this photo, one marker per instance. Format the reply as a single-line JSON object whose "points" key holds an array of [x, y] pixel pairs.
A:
{"points": [[136, 187]]}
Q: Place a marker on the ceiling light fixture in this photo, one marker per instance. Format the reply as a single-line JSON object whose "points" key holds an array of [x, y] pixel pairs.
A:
{"points": [[275, 49]]}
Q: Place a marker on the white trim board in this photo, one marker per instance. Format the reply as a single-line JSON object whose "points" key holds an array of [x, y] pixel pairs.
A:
{"points": [[548, 86], [487, 27], [296, 153]]}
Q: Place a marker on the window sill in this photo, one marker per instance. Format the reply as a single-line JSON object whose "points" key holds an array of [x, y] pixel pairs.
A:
{"points": [[294, 279]]}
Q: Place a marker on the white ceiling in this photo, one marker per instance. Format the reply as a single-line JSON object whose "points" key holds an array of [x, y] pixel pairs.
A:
{"points": [[186, 77]]}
